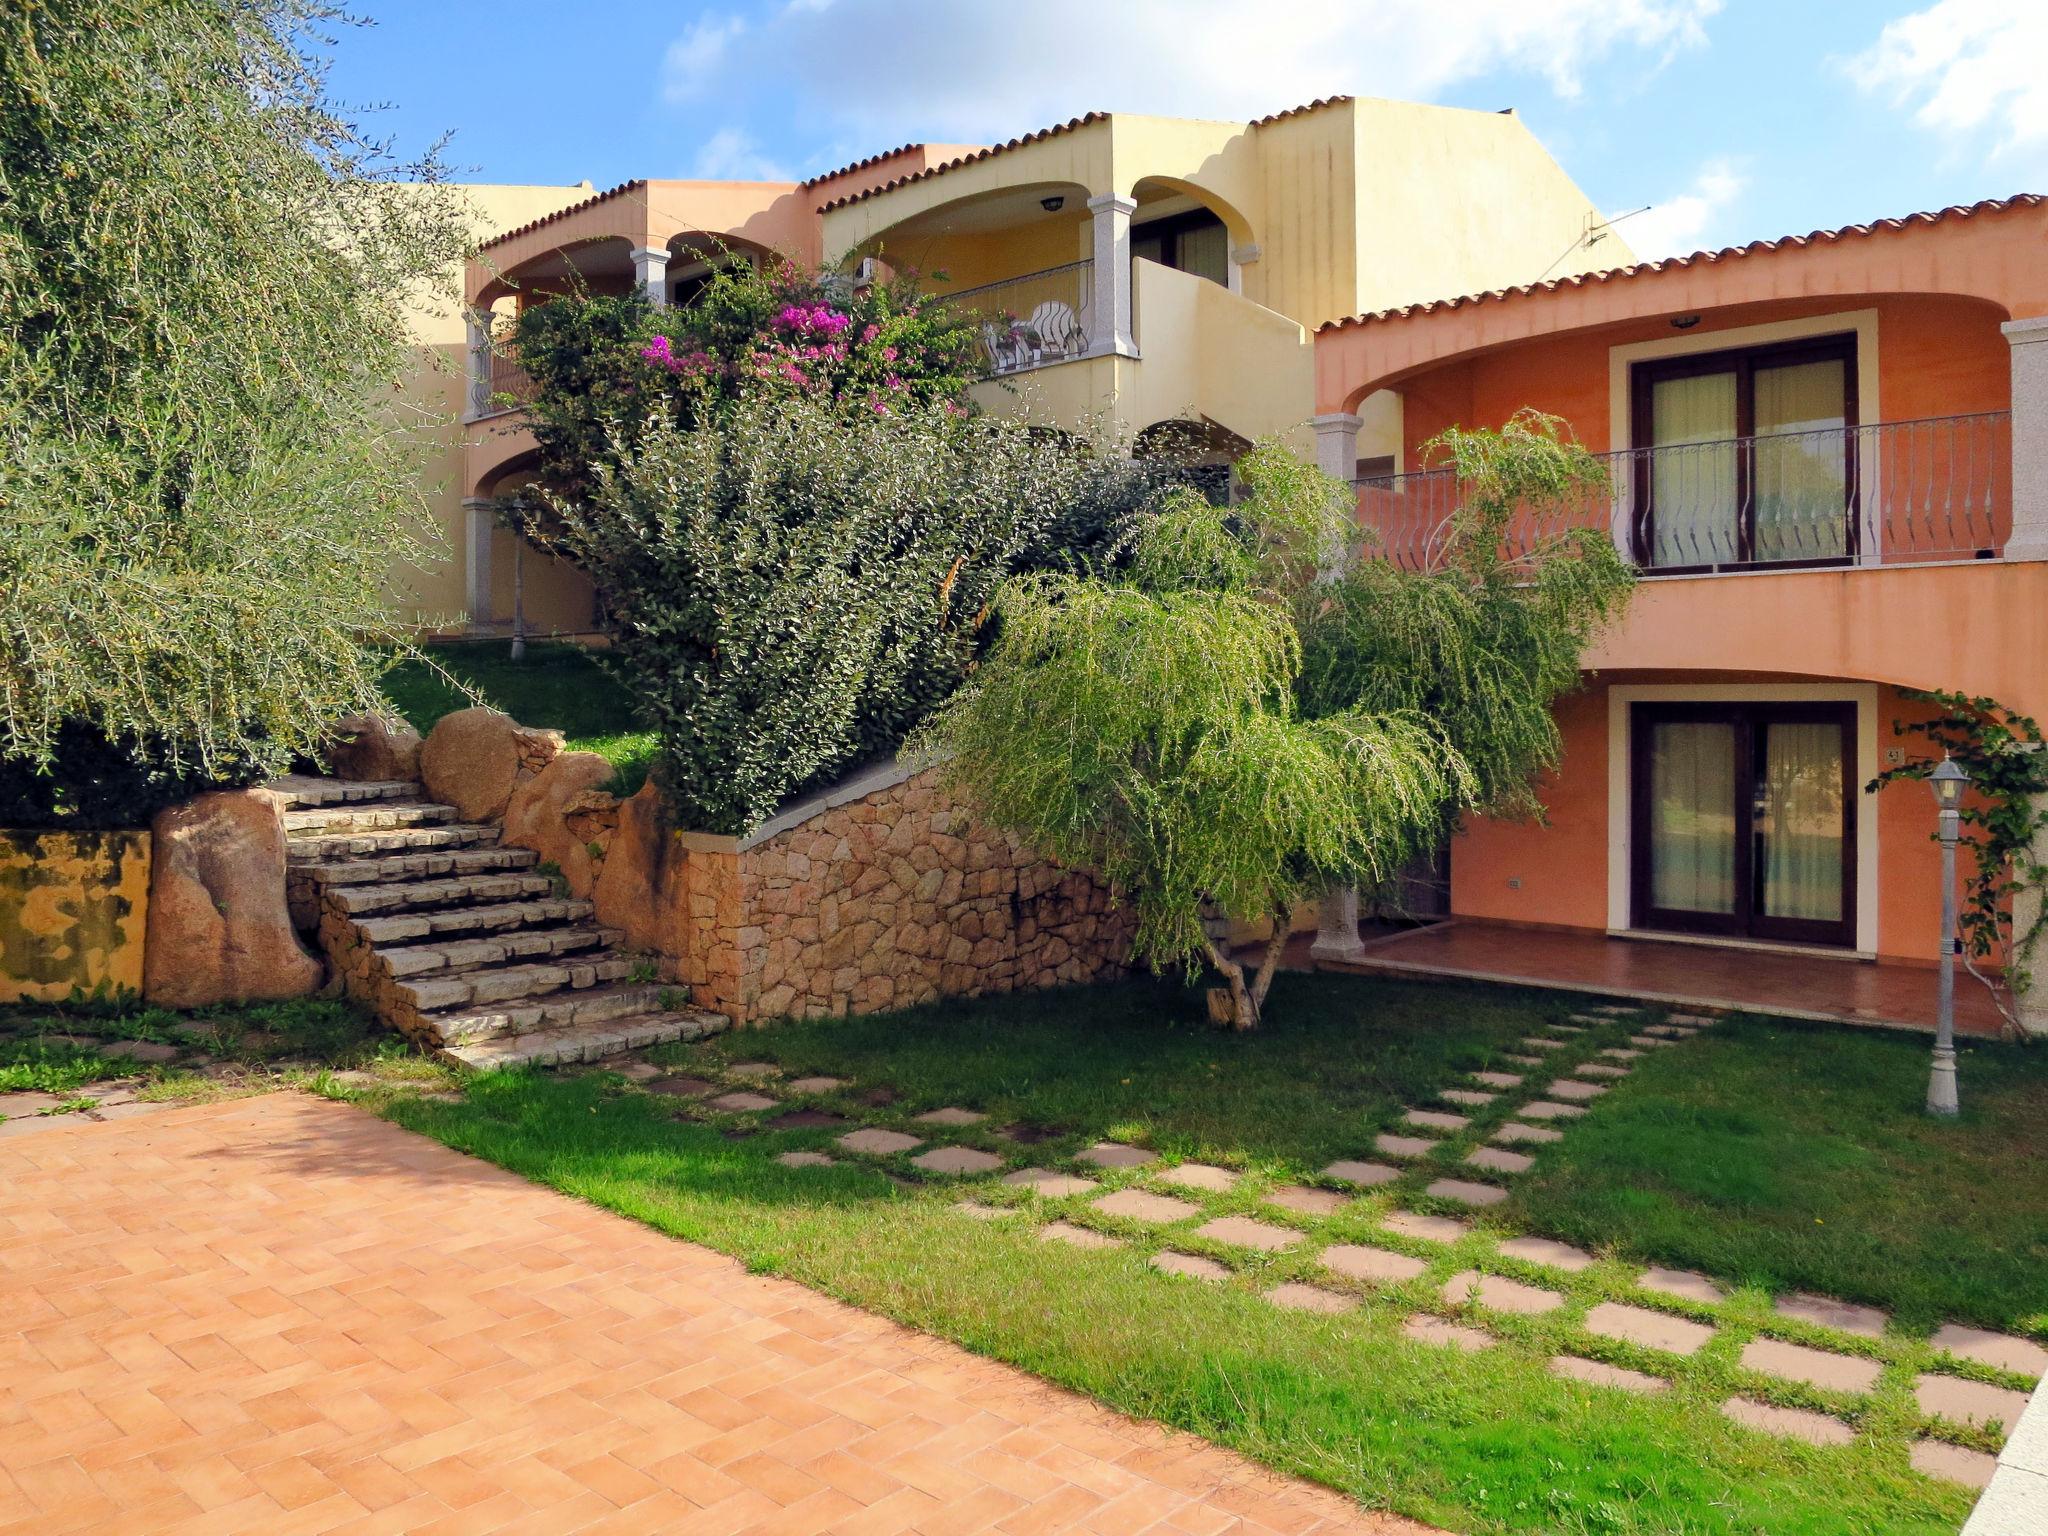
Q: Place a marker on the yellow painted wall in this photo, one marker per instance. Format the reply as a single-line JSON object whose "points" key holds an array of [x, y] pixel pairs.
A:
{"points": [[1206, 352], [437, 393], [73, 909], [1309, 233]]}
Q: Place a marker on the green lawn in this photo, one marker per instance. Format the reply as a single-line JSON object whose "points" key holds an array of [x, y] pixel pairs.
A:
{"points": [[1482, 1442], [557, 686]]}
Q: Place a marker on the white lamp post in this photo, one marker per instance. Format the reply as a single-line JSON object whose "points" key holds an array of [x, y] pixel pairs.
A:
{"points": [[1949, 781]]}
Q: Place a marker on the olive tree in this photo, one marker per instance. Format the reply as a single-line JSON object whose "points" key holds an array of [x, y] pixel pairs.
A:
{"points": [[206, 280], [1243, 717]]}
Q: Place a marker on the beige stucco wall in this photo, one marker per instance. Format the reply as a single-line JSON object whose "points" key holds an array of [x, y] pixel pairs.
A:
{"points": [[436, 393]]}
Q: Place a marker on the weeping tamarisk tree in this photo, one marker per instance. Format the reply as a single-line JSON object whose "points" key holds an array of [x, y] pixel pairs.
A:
{"points": [[206, 465], [1236, 721]]}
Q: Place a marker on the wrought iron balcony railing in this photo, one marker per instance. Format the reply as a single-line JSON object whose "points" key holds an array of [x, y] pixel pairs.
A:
{"points": [[1030, 321], [1890, 493]]}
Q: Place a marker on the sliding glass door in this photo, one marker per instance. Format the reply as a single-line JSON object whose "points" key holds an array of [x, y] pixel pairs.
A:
{"points": [[1745, 820]]}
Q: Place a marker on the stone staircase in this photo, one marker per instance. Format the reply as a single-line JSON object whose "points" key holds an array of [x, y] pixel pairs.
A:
{"points": [[463, 945]]}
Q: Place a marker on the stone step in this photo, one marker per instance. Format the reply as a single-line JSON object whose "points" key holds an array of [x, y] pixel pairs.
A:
{"points": [[430, 919], [438, 866], [369, 816], [510, 983], [585, 1042], [450, 957], [324, 848], [302, 790], [554, 1012]]}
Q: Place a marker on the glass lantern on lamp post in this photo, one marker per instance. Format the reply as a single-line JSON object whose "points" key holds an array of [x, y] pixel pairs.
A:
{"points": [[1948, 781]]}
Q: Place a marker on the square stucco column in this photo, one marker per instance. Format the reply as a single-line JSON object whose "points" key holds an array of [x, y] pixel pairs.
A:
{"points": [[1114, 333], [2026, 911], [650, 271], [2028, 339], [1337, 911], [478, 323], [480, 514]]}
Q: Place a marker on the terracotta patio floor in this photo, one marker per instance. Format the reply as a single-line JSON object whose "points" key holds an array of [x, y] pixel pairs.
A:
{"points": [[1790, 984], [284, 1315]]}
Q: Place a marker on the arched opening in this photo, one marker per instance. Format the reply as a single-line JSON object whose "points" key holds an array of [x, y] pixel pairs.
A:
{"points": [[1203, 452], [1188, 228]]}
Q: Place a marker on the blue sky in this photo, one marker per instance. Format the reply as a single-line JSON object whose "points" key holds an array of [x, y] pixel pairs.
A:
{"points": [[1734, 119]]}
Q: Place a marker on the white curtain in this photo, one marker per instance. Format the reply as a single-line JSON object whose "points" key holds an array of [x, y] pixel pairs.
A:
{"points": [[1693, 487], [1799, 489], [1802, 829], [1692, 816]]}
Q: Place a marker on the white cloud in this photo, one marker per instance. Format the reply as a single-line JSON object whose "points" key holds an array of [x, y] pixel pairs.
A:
{"points": [[1688, 221], [693, 59], [886, 71], [732, 155], [1968, 68]]}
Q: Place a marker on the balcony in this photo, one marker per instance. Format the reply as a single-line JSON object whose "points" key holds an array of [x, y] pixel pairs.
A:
{"points": [[1031, 321], [501, 386], [1894, 493]]}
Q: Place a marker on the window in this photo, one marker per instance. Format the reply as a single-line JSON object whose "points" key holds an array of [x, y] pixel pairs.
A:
{"points": [[1195, 243], [1746, 457]]}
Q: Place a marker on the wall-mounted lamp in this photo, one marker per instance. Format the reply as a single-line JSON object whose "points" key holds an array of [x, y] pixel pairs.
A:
{"points": [[1685, 322], [1052, 204]]}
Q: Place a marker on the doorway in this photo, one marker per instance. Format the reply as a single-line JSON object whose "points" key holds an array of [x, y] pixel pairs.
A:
{"points": [[1745, 820]]}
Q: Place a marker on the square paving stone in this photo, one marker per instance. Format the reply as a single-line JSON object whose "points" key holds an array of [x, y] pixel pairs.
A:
{"points": [[817, 1084], [1564, 1029], [1524, 1061], [640, 1071], [1248, 1233], [981, 1211], [743, 1101], [1433, 1229], [1793, 1423], [14, 1104], [950, 1116], [1500, 1160], [1515, 1131], [1620, 1053], [1367, 1175], [1308, 1202], [1193, 1265], [1140, 1206], [2002, 1350], [957, 1160], [1847, 1317], [1968, 1402], [875, 1140], [1599, 1373], [1435, 1119], [1686, 1284], [1425, 1329], [139, 1050], [1403, 1146], [1499, 1293], [804, 1160], [1615, 1010], [1471, 1098], [1574, 1092], [1200, 1176], [1076, 1237], [1652, 1330], [1542, 1250], [1816, 1367], [1600, 1069], [681, 1087], [1054, 1186], [1538, 1043], [753, 1070], [1498, 1079], [1937, 1458], [1296, 1297], [1111, 1154], [1696, 1020], [1550, 1109], [802, 1119], [1649, 1042], [1466, 1193], [1379, 1265]]}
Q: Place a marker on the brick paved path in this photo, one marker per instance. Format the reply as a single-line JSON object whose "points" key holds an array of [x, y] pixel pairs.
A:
{"points": [[282, 1315]]}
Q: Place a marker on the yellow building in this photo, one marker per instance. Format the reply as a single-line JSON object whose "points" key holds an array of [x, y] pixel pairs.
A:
{"points": [[1133, 276]]}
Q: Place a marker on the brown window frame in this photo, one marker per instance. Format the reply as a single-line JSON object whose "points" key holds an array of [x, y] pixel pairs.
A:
{"points": [[1743, 362]]}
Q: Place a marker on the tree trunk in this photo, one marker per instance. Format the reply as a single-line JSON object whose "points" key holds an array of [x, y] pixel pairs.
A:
{"points": [[1248, 995]]}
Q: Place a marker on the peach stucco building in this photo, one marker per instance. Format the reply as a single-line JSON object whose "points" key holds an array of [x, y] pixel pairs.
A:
{"points": [[1829, 460], [1132, 274]]}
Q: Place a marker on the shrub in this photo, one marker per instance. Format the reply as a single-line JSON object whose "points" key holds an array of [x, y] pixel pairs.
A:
{"points": [[796, 585]]}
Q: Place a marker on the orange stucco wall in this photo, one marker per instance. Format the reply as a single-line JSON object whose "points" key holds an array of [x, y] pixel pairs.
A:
{"points": [[1560, 871]]}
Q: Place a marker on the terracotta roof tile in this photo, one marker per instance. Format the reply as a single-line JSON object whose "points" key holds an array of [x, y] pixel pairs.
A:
{"points": [[1308, 106], [858, 165], [1697, 258], [1057, 129], [563, 213]]}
